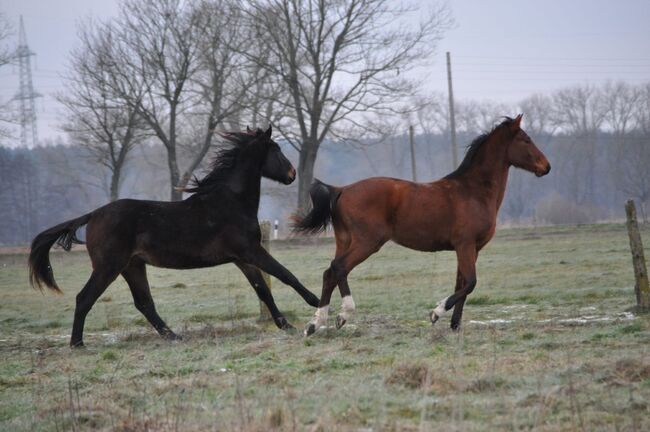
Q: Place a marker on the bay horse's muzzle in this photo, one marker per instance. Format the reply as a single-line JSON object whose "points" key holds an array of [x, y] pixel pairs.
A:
{"points": [[544, 170]]}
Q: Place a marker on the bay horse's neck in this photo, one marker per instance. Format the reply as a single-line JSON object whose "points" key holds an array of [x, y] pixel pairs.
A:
{"points": [[488, 174]]}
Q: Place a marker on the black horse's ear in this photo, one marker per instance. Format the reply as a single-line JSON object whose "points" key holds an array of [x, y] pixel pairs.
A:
{"points": [[248, 129], [268, 132]]}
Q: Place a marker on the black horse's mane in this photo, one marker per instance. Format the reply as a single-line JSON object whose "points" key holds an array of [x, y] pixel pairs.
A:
{"points": [[474, 147], [223, 161]]}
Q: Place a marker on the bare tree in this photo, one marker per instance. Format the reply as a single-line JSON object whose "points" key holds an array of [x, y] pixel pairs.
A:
{"points": [[223, 78], [538, 115], [339, 60], [156, 49], [578, 112], [97, 118]]}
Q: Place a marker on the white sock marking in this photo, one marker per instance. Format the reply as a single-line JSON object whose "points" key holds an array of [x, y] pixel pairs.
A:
{"points": [[347, 307], [440, 309], [320, 317]]}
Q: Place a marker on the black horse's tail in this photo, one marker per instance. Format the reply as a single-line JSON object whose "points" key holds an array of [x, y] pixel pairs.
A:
{"points": [[323, 198], [40, 270]]}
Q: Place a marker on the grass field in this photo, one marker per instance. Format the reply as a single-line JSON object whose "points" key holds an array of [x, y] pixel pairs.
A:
{"points": [[547, 344]]}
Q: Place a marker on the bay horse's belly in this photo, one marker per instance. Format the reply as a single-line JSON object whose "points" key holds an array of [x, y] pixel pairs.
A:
{"points": [[423, 221]]}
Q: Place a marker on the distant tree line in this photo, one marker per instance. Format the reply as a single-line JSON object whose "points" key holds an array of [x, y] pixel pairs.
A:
{"points": [[596, 137]]}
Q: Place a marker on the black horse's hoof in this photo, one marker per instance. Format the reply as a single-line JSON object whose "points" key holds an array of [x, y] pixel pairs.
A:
{"points": [[434, 317], [76, 345], [310, 330], [312, 300], [455, 326], [170, 335], [340, 322], [283, 324]]}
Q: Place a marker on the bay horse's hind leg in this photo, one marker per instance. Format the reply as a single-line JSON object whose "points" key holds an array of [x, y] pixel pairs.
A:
{"points": [[466, 255], [99, 280], [263, 292], [135, 275], [337, 274]]}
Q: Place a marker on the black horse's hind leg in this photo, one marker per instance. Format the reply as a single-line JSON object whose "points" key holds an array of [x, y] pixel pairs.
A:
{"points": [[263, 292], [94, 288], [135, 275], [261, 259]]}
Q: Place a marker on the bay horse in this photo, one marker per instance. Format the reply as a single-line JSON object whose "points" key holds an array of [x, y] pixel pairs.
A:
{"points": [[217, 224], [457, 212]]}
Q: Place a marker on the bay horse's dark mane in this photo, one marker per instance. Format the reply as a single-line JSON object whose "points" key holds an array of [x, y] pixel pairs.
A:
{"points": [[474, 147], [223, 161]]}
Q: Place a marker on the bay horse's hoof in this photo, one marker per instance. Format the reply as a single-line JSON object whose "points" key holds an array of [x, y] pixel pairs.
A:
{"points": [[340, 322], [434, 317], [310, 330]]}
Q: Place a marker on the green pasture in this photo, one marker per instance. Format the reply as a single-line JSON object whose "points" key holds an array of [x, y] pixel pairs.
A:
{"points": [[548, 343]]}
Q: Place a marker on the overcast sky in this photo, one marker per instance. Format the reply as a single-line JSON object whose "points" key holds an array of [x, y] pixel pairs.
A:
{"points": [[501, 50]]}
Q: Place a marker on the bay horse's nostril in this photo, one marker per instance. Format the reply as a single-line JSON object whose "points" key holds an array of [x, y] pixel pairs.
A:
{"points": [[548, 168]]}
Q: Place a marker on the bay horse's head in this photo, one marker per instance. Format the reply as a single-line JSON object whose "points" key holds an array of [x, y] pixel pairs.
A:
{"points": [[276, 165], [523, 153]]}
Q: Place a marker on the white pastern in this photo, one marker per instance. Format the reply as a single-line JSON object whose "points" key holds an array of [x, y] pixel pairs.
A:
{"points": [[440, 309], [347, 307], [320, 317]]}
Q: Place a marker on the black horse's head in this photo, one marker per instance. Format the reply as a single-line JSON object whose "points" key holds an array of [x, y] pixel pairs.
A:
{"points": [[276, 166], [244, 156]]}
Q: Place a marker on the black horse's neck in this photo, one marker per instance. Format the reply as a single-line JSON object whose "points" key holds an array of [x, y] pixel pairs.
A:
{"points": [[239, 184]]}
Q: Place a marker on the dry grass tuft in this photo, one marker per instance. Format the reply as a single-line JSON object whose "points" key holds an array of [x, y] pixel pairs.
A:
{"points": [[410, 375]]}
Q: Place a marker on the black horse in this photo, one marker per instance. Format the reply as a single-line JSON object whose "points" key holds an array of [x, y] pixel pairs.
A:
{"points": [[217, 224]]}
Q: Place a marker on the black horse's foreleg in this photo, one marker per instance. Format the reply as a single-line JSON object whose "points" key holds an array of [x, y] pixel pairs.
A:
{"points": [[261, 259], [135, 275], [263, 292]]}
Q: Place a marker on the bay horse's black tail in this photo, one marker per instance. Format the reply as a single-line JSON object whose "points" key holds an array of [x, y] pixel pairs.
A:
{"points": [[323, 198], [40, 270]]}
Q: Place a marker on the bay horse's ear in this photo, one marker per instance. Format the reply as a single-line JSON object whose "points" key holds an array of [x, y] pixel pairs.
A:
{"points": [[517, 123], [268, 132]]}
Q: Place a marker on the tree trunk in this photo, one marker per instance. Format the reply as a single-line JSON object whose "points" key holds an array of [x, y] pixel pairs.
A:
{"points": [[306, 172], [174, 175], [115, 183]]}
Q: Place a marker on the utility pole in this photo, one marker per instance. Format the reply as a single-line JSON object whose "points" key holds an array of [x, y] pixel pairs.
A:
{"points": [[412, 143], [26, 94], [452, 116]]}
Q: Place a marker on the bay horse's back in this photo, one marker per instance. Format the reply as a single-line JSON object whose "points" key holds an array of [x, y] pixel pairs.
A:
{"points": [[381, 209]]}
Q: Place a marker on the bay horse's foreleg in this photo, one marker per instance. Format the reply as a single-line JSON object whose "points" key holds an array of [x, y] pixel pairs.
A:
{"points": [[263, 292], [466, 255], [97, 283], [458, 307], [135, 275], [261, 259]]}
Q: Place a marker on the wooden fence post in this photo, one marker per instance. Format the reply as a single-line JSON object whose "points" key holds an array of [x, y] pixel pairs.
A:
{"points": [[265, 227], [642, 287]]}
